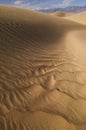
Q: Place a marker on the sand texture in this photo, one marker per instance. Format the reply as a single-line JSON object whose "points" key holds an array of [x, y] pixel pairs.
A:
{"points": [[42, 71]]}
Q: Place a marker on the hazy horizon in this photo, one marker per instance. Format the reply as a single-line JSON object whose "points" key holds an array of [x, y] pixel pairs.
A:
{"points": [[43, 4]]}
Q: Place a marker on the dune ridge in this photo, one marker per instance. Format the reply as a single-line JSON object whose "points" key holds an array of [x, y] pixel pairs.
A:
{"points": [[40, 73], [79, 17]]}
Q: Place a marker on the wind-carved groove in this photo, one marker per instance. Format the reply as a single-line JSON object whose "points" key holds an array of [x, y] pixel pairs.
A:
{"points": [[38, 96], [75, 90], [3, 123]]}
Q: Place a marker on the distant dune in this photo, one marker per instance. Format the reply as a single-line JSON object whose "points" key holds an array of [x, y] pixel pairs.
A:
{"points": [[42, 71], [79, 17], [61, 14]]}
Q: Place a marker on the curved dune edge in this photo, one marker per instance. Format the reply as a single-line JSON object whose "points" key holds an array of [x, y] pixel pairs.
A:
{"points": [[38, 65], [80, 18]]}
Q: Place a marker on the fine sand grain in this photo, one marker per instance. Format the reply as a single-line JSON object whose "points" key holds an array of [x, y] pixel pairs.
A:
{"points": [[42, 71]]}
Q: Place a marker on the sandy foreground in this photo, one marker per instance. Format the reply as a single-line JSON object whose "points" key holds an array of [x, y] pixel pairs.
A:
{"points": [[42, 71]]}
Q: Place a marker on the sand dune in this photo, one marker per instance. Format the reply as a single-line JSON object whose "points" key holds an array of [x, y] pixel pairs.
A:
{"points": [[80, 17], [62, 14], [42, 71]]}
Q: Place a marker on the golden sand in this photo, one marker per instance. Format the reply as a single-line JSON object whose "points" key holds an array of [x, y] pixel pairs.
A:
{"points": [[42, 71]]}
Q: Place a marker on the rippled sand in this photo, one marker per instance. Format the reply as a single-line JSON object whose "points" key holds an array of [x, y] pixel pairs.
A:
{"points": [[42, 71]]}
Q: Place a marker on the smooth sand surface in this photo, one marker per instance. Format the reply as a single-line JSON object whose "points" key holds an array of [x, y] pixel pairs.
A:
{"points": [[62, 14], [42, 71], [79, 17]]}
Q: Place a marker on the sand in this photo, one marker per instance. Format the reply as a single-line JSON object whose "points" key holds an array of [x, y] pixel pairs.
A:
{"points": [[42, 71], [62, 14], [79, 17]]}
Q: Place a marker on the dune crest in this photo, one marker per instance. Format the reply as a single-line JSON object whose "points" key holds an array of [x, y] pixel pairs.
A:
{"points": [[79, 17]]}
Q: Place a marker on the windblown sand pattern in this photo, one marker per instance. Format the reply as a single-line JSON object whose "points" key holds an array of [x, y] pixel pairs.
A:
{"points": [[42, 71]]}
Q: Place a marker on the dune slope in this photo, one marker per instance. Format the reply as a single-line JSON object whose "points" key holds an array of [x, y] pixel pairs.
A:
{"points": [[80, 17], [42, 71]]}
